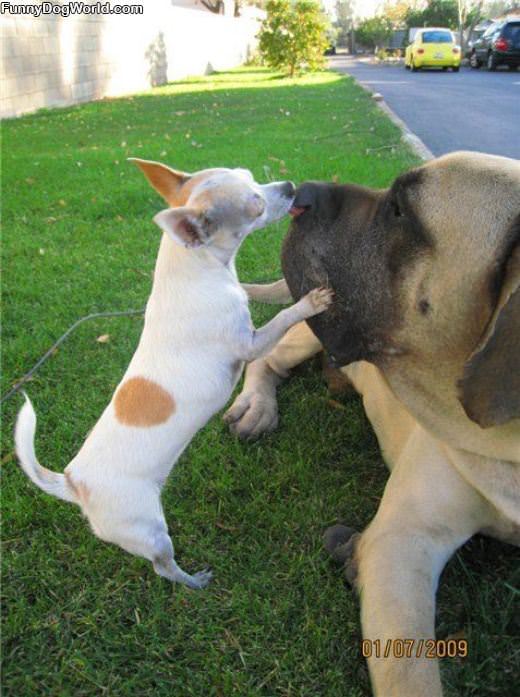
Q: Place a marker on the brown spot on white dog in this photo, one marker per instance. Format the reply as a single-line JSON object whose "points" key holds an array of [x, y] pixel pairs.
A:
{"points": [[142, 402]]}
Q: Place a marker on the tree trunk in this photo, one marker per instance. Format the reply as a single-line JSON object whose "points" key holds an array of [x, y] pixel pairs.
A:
{"points": [[476, 19]]}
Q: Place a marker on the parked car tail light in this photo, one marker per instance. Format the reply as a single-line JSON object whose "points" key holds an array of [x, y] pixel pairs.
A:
{"points": [[420, 50], [455, 50], [501, 44]]}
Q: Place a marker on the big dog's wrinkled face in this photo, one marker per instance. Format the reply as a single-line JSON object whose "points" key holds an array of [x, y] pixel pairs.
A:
{"points": [[418, 269]]}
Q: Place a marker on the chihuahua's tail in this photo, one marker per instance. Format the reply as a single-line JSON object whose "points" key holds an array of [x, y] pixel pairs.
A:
{"points": [[51, 482]]}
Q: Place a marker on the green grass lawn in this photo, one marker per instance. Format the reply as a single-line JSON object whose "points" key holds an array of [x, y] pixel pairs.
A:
{"points": [[84, 618]]}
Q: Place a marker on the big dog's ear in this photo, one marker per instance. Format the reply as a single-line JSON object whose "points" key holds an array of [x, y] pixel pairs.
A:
{"points": [[166, 181], [490, 387], [184, 225]]}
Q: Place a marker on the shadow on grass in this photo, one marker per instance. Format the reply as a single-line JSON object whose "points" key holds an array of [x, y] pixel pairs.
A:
{"points": [[200, 87], [232, 76]]}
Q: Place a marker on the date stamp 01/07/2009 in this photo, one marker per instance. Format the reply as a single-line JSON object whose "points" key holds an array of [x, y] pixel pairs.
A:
{"points": [[414, 648]]}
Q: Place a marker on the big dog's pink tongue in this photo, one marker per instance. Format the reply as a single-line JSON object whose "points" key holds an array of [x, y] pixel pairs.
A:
{"points": [[294, 212]]}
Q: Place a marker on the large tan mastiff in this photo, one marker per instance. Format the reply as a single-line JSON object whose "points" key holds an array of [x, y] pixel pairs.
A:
{"points": [[426, 325]]}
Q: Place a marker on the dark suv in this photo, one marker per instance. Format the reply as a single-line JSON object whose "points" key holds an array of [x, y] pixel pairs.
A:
{"points": [[498, 45]]}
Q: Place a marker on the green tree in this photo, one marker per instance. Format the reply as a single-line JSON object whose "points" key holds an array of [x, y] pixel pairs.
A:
{"points": [[344, 20], [293, 36], [470, 14], [437, 13], [396, 11], [455, 14], [372, 32]]}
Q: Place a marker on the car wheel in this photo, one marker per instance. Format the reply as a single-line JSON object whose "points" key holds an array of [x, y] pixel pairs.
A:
{"points": [[414, 67], [474, 61], [492, 62], [455, 69]]}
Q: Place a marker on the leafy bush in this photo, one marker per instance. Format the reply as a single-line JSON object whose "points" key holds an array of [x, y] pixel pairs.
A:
{"points": [[437, 13], [293, 36], [373, 32]]}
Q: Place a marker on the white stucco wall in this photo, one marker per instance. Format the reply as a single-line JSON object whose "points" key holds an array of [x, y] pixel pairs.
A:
{"points": [[54, 60]]}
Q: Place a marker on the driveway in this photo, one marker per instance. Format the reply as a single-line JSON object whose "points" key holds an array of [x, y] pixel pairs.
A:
{"points": [[469, 110]]}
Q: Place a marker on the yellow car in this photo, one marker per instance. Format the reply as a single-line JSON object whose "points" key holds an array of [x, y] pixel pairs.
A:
{"points": [[433, 47]]}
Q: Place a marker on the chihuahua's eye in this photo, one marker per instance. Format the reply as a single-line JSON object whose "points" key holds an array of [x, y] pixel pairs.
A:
{"points": [[207, 222], [255, 206]]}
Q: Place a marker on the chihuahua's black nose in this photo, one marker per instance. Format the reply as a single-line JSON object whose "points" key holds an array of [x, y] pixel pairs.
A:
{"points": [[289, 190]]}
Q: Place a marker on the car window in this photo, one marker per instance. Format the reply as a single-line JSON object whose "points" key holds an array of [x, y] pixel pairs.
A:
{"points": [[490, 30], [437, 37], [512, 31]]}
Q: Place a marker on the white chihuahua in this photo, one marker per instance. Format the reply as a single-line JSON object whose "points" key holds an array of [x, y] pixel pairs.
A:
{"points": [[197, 336]]}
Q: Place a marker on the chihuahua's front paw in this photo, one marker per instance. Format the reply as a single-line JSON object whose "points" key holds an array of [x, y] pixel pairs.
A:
{"points": [[316, 301]]}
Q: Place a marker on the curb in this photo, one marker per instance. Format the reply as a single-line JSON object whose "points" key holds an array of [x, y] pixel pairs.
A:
{"points": [[408, 136]]}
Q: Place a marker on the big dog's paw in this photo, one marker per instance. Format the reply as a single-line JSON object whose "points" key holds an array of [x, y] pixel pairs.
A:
{"points": [[340, 542], [252, 414]]}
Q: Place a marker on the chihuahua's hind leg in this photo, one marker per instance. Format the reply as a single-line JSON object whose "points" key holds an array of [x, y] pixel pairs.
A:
{"points": [[165, 565], [147, 536]]}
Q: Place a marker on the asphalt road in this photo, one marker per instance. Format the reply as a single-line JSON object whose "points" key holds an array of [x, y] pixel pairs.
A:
{"points": [[469, 110]]}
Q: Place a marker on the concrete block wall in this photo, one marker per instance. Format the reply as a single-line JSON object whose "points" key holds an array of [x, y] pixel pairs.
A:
{"points": [[55, 61]]}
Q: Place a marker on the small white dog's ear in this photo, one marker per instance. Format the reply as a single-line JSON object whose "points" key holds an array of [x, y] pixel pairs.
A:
{"points": [[183, 225], [166, 181]]}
